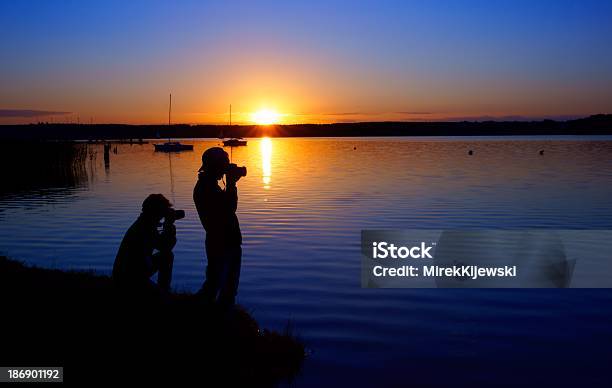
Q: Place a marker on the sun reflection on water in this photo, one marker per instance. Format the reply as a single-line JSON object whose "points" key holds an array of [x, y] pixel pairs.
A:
{"points": [[266, 160]]}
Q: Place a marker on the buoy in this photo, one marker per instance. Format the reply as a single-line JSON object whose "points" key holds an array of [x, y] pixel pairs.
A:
{"points": [[470, 152], [354, 148], [541, 152]]}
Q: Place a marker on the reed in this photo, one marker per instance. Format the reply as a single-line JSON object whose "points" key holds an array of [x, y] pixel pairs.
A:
{"points": [[40, 165]]}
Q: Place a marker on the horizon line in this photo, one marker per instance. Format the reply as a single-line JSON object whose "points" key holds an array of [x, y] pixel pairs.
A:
{"points": [[473, 119]]}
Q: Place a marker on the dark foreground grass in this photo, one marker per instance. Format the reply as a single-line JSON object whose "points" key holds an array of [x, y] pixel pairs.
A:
{"points": [[79, 321]]}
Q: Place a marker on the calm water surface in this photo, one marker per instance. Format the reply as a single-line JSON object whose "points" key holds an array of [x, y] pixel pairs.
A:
{"points": [[302, 207]]}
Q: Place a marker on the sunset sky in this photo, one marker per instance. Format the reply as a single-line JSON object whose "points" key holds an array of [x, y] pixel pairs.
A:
{"points": [[308, 61]]}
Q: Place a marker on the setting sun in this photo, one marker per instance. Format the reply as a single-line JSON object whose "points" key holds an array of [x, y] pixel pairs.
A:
{"points": [[265, 117]]}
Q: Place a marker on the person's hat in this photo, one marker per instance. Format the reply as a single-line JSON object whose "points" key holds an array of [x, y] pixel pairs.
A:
{"points": [[212, 157], [155, 204]]}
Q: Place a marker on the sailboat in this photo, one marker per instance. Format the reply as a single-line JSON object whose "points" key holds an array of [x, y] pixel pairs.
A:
{"points": [[172, 146], [235, 141]]}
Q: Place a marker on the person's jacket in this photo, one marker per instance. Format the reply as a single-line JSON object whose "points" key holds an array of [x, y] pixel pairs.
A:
{"points": [[217, 210], [134, 262]]}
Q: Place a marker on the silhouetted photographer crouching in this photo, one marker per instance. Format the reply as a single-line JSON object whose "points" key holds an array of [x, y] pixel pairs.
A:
{"points": [[217, 210], [136, 261]]}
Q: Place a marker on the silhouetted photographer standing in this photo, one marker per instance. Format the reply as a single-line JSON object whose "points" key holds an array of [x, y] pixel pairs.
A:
{"points": [[136, 261], [217, 210]]}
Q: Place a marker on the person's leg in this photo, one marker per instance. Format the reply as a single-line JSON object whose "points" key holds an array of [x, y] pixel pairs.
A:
{"points": [[214, 272], [165, 262], [229, 290]]}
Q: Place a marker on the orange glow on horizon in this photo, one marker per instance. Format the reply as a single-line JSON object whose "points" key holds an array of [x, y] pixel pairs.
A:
{"points": [[265, 117]]}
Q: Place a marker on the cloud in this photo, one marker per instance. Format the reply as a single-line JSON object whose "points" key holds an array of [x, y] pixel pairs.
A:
{"points": [[512, 118], [29, 113], [378, 113], [342, 114], [414, 113]]}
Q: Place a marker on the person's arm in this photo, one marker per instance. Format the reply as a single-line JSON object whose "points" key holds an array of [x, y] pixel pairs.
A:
{"points": [[166, 240], [231, 197]]}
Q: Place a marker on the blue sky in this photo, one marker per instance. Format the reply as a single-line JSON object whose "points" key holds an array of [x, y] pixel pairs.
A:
{"points": [[313, 61]]}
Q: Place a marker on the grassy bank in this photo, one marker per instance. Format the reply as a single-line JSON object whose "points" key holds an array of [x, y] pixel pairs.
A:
{"points": [[79, 321]]}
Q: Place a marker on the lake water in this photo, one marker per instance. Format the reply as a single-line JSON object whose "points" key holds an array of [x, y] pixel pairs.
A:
{"points": [[302, 208]]}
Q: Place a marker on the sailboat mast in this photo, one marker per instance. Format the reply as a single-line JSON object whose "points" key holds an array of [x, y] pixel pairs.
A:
{"points": [[169, 116], [230, 115]]}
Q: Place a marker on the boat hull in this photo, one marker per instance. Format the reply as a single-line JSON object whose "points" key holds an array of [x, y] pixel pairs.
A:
{"points": [[173, 147], [234, 143]]}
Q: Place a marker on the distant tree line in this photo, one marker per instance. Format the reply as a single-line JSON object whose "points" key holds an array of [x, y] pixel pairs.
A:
{"points": [[593, 125]]}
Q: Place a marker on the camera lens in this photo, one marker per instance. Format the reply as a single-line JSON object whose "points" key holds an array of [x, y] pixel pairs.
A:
{"points": [[242, 171]]}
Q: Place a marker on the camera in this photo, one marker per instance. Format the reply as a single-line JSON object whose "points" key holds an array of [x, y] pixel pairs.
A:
{"points": [[236, 172], [173, 215]]}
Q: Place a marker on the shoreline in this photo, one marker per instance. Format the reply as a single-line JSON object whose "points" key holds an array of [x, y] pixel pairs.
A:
{"points": [[76, 318]]}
